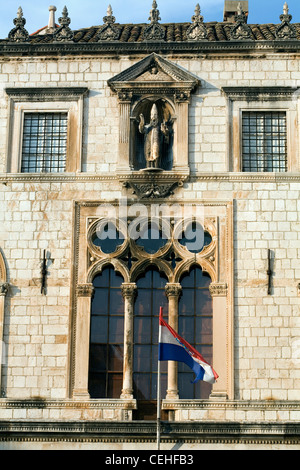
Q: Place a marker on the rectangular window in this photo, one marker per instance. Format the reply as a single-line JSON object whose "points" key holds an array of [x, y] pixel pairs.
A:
{"points": [[44, 146], [264, 140]]}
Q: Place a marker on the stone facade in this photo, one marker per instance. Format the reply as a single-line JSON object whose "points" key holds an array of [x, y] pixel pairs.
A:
{"points": [[38, 212]]}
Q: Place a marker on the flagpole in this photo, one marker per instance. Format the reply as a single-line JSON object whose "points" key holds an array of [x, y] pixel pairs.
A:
{"points": [[159, 386]]}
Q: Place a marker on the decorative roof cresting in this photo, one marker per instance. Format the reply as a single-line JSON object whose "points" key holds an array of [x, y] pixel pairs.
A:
{"points": [[241, 30], [64, 33], [286, 30], [19, 33], [154, 31], [197, 31], [108, 32]]}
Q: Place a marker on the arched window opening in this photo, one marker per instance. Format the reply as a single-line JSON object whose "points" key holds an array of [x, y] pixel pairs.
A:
{"points": [[106, 336], [150, 297], [195, 326]]}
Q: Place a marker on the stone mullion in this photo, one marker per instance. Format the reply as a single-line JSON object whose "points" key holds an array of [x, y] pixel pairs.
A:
{"points": [[218, 292], [82, 345], [129, 292], [173, 292]]}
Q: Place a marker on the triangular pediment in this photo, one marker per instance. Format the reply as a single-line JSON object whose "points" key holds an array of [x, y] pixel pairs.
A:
{"points": [[154, 69]]}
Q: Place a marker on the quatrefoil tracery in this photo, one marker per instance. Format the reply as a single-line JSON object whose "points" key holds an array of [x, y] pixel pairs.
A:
{"points": [[130, 258]]}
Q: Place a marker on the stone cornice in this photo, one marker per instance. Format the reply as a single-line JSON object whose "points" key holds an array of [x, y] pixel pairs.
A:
{"points": [[115, 47], [6, 178], [140, 432], [45, 93], [253, 93]]}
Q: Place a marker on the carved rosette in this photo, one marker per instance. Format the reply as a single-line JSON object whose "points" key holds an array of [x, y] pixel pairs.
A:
{"points": [[85, 290]]}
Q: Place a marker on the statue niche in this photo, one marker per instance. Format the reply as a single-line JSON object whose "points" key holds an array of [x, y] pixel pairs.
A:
{"points": [[153, 136]]}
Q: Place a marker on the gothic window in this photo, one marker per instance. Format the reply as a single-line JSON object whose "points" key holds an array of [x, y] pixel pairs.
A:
{"points": [[264, 141], [136, 268], [44, 145], [106, 336], [195, 325]]}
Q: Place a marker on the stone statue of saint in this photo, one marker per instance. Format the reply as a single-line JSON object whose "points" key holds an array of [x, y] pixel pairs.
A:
{"points": [[154, 132]]}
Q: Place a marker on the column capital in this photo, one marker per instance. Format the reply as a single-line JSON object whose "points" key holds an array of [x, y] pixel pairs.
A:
{"points": [[85, 290], [129, 289], [173, 289], [125, 96], [4, 286], [218, 289]]}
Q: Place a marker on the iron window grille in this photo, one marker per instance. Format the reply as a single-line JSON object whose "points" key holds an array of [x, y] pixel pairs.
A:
{"points": [[264, 141], [44, 146]]}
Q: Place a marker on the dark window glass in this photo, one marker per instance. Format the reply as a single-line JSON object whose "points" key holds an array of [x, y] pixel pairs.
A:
{"points": [[195, 326], [107, 336], [108, 238], [264, 141], [194, 238], [151, 296], [151, 238], [44, 142]]}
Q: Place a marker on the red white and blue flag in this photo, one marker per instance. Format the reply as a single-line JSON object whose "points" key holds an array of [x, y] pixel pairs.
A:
{"points": [[174, 348]]}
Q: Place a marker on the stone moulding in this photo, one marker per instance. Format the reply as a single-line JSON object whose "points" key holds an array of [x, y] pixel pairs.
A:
{"points": [[114, 47], [270, 433], [46, 93], [270, 93], [7, 178]]}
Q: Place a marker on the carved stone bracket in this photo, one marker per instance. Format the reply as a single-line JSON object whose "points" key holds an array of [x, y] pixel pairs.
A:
{"points": [[152, 184], [4, 289], [218, 289], [19, 33], [197, 31], [152, 190], [85, 290]]}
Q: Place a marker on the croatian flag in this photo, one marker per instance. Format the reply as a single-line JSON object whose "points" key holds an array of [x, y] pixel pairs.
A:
{"points": [[174, 348]]}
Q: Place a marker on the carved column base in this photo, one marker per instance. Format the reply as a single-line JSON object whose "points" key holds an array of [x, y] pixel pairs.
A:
{"points": [[218, 396], [81, 395], [172, 395], [127, 394]]}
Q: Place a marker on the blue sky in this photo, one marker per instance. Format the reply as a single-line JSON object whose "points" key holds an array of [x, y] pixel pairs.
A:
{"points": [[90, 12]]}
